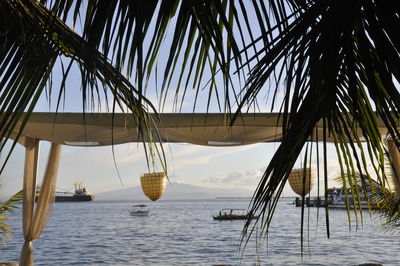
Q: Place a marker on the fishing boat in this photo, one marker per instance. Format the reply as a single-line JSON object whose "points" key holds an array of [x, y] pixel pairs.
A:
{"points": [[233, 214], [139, 210]]}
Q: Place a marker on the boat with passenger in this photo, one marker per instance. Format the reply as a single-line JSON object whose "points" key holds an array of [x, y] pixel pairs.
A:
{"points": [[139, 210], [233, 214]]}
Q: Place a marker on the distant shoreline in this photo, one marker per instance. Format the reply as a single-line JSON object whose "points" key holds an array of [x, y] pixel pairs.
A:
{"points": [[250, 197], [232, 198]]}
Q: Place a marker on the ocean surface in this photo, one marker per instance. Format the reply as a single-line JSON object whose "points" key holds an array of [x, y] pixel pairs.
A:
{"points": [[184, 233]]}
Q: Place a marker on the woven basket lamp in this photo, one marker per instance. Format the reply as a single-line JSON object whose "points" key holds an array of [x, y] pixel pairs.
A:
{"points": [[153, 185], [296, 181]]}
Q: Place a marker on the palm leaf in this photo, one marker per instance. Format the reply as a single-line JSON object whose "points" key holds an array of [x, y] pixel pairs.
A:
{"points": [[340, 72], [114, 40], [33, 43], [8, 207]]}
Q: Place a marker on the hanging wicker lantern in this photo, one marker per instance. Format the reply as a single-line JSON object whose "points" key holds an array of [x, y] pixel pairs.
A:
{"points": [[153, 185], [296, 181]]}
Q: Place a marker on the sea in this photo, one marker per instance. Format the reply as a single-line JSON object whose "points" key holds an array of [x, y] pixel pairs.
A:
{"points": [[183, 232]]}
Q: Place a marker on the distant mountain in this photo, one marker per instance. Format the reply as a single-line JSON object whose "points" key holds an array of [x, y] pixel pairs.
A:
{"points": [[175, 191]]}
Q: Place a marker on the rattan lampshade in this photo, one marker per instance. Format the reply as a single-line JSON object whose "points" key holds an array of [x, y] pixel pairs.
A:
{"points": [[153, 185], [296, 181]]}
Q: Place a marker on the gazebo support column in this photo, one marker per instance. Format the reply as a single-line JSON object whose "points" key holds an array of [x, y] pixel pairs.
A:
{"points": [[35, 219], [395, 160]]}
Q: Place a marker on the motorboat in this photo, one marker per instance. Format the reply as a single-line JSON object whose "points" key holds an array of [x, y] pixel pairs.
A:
{"points": [[139, 210], [233, 214]]}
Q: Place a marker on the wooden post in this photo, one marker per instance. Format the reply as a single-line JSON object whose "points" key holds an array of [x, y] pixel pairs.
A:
{"points": [[35, 219], [395, 160], [28, 202]]}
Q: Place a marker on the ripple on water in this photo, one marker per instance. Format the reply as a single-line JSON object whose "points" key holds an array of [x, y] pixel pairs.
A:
{"points": [[184, 233]]}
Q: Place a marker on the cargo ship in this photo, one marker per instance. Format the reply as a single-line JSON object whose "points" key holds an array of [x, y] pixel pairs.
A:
{"points": [[80, 194]]}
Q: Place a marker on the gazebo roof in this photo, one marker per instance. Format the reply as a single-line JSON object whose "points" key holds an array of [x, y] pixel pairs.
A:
{"points": [[100, 129]]}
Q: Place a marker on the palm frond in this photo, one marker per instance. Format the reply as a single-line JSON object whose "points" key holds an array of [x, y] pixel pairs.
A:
{"points": [[33, 41], [8, 207], [132, 34], [337, 72], [116, 37], [381, 198], [389, 207]]}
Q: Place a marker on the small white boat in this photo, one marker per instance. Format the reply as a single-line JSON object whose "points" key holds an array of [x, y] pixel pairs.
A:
{"points": [[139, 210]]}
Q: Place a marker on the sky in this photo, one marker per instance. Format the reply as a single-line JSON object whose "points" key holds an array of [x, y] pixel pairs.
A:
{"points": [[223, 167]]}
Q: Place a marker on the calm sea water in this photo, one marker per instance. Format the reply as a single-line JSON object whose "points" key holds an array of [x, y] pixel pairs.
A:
{"points": [[184, 233]]}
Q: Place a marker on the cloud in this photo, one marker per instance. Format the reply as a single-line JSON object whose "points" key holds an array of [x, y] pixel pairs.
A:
{"points": [[251, 177], [197, 155], [128, 155], [239, 178]]}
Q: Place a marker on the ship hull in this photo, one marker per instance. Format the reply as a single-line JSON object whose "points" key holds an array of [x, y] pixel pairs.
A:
{"points": [[74, 198], [71, 198], [320, 202]]}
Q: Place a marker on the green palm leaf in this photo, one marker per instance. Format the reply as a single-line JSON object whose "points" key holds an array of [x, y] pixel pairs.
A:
{"points": [[337, 72], [6, 208]]}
